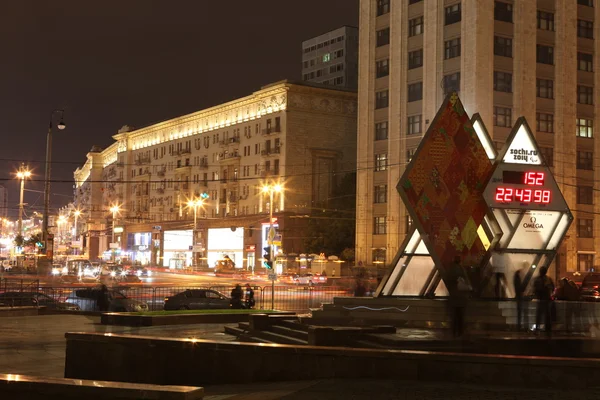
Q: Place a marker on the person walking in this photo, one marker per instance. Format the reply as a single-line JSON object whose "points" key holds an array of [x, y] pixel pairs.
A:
{"points": [[543, 288], [236, 297], [458, 289], [518, 285], [249, 296]]}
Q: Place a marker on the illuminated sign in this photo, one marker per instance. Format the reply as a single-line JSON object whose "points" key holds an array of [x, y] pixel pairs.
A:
{"points": [[118, 229], [522, 149]]}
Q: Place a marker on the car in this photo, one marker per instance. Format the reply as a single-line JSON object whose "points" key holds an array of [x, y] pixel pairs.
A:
{"points": [[590, 295], [34, 299], [197, 299], [591, 281], [139, 271], [87, 300], [308, 279]]}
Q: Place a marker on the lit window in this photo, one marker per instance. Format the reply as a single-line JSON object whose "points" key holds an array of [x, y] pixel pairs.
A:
{"points": [[585, 127]]}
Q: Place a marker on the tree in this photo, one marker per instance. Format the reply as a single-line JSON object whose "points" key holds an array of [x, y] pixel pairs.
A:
{"points": [[19, 241], [331, 227]]}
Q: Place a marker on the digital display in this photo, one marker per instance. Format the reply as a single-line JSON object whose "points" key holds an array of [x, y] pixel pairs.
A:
{"points": [[507, 195], [524, 177]]}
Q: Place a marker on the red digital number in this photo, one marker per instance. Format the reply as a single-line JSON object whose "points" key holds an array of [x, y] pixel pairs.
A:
{"points": [[546, 196], [519, 195], [534, 178], [537, 196], [508, 193], [500, 194], [527, 196]]}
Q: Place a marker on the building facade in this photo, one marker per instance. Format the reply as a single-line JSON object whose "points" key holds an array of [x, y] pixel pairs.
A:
{"points": [[295, 135], [332, 58], [506, 59], [3, 202]]}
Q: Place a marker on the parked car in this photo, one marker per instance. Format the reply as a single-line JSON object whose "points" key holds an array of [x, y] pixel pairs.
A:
{"points": [[34, 299], [591, 281], [197, 299], [87, 300]]}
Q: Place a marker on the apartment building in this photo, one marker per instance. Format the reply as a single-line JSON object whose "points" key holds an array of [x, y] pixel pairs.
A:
{"points": [[332, 58], [297, 135], [506, 59]]}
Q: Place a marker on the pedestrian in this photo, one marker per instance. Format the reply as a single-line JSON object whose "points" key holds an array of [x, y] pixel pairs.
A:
{"points": [[518, 284], [249, 296], [459, 290], [543, 288], [236, 297], [102, 301], [360, 290], [569, 293]]}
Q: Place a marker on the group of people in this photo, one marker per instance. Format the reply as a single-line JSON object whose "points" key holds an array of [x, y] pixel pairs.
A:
{"points": [[544, 292], [242, 298]]}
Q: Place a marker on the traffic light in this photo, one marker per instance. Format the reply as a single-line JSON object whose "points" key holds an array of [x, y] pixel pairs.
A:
{"points": [[267, 263]]}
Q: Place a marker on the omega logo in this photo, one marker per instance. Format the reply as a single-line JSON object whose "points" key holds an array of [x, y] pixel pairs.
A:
{"points": [[532, 224]]}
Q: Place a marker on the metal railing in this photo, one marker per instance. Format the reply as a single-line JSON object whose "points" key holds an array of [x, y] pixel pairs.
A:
{"points": [[298, 298]]}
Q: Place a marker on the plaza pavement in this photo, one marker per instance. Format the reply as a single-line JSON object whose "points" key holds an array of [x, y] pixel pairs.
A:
{"points": [[36, 346]]}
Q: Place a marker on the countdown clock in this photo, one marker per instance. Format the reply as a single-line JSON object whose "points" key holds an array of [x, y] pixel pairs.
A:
{"points": [[521, 179]]}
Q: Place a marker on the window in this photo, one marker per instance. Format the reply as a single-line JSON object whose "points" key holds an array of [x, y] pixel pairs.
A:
{"points": [[585, 62], [380, 194], [585, 94], [585, 29], [415, 26], [548, 155], [382, 68], [452, 14], [585, 262], [381, 162], [545, 54], [339, 80], [410, 153], [383, 37], [589, 3], [585, 160], [379, 225], [415, 91], [381, 99], [415, 59], [585, 127], [452, 48], [326, 57], [585, 228], [452, 83], [383, 7], [414, 125], [381, 130], [378, 256], [544, 122], [502, 117], [502, 81], [502, 46], [545, 20], [545, 88], [503, 11], [585, 195]]}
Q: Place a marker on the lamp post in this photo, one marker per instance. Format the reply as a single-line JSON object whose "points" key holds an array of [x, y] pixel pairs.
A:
{"points": [[114, 209], [61, 125], [76, 214], [271, 189], [22, 174], [195, 204]]}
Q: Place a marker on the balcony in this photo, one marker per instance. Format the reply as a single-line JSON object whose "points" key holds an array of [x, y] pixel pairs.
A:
{"points": [[228, 141], [271, 130], [271, 151], [142, 160], [161, 172], [160, 190], [120, 165], [233, 156], [184, 151], [203, 164], [182, 167]]}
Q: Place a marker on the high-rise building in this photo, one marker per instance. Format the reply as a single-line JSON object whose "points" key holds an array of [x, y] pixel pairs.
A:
{"points": [[332, 58], [506, 59], [300, 136]]}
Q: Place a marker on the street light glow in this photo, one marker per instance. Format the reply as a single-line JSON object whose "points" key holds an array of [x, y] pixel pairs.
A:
{"points": [[115, 209], [23, 174], [77, 213]]}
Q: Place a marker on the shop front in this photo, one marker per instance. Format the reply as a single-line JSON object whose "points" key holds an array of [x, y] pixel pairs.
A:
{"points": [[177, 249], [139, 247], [225, 249]]}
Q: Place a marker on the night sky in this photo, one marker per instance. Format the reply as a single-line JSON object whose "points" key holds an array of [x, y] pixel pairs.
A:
{"points": [[111, 63]]}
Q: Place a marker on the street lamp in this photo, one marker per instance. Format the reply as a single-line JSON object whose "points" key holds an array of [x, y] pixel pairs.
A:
{"points": [[22, 174], [61, 125], [271, 189], [61, 231], [115, 209], [195, 204]]}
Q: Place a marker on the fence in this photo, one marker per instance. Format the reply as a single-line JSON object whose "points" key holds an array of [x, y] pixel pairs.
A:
{"points": [[147, 298]]}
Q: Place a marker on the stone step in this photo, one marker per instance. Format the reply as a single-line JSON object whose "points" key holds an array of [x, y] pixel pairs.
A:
{"points": [[296, 325], [279, 338], [302, 335], [244, 336]]}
